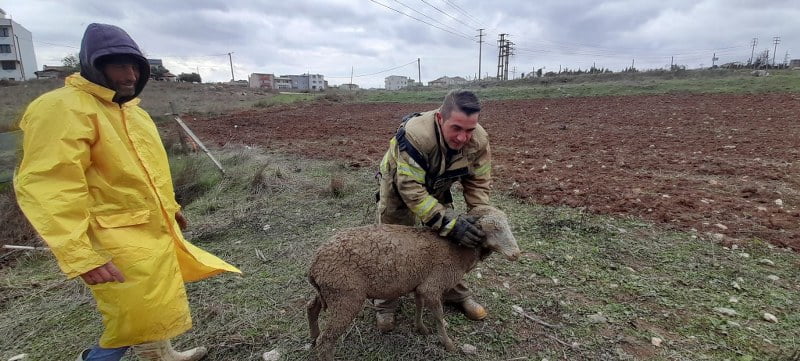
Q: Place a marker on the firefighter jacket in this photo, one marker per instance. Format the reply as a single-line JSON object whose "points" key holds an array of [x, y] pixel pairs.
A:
{"points": [[419, 169]]}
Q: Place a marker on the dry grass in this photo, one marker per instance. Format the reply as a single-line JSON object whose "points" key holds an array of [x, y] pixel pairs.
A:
{"points": [[646, 281], [14, 227], [192, 176], [337, 185], [156, 98]]}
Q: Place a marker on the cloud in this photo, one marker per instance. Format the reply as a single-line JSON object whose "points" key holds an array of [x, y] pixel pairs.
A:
{"points": [[332, 36]]}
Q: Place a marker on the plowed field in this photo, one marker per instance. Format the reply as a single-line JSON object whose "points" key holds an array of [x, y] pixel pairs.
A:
{"points": [[725, 165]]}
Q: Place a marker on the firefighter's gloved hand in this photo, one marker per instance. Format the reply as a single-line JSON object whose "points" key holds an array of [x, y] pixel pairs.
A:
{"points": [[462, 229]]}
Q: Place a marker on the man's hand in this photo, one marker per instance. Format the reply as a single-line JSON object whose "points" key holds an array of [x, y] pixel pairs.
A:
{"points": [[464, 231], [105, 273], [182, 222]]}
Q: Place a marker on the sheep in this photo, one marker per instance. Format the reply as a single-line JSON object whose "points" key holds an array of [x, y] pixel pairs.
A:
{"points": [[388, 261]]}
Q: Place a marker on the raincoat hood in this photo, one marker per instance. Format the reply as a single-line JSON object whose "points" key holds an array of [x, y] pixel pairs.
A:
{"points": [[101, 40]]}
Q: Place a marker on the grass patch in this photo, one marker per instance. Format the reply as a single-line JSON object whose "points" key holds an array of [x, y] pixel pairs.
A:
{"points": [[284, 98], [10, 143], [15, 98], [607, 284], [192, 176], [610, 85]]}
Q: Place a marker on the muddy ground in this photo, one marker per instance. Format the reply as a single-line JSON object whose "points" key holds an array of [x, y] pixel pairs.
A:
{"points": [[724, 165]]}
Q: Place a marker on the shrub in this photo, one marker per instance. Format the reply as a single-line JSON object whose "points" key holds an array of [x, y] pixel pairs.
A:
{"points": [[337, 186], [192, 176]]}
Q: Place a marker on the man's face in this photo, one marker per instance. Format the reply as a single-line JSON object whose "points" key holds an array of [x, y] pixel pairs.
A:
{"points": [[457, 129], [122, 78]]}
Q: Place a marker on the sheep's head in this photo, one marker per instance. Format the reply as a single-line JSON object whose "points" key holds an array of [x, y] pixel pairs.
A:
{"points": [[499, 238]]}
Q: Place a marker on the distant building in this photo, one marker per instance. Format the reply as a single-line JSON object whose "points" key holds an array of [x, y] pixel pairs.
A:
{"points": [[263, 81], [283, 83], [155, 62], [53, 72], [349, 86], [397, 82], [446, 81], [794, 63], [17, 59], [311, 82]]}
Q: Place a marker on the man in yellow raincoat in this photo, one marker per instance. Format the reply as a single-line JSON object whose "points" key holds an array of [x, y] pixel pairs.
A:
{"points": [[95, 183]]}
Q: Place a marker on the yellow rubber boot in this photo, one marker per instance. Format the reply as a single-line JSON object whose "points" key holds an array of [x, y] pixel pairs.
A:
{"points": [[163, 351]]}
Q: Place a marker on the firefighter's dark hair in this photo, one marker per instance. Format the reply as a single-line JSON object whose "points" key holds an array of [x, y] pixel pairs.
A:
{"points": [[461, 100]]}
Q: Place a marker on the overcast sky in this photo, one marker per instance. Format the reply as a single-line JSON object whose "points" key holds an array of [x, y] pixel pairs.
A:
{"points": [[331, 37]]}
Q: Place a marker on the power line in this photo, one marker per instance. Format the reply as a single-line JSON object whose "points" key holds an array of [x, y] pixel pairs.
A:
{"points": [[616, 54], [586, 48], [423, 21], [159, 55], [375, 73], [446, 14], [54, 44], [427, 16], [459, 9]]}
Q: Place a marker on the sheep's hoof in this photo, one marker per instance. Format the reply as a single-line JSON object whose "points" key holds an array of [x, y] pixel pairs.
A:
{"points": [[449, 346], [423, 330]]}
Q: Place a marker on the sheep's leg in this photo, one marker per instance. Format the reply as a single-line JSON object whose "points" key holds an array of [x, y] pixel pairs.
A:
{"points": [[434, 303], [312, 310], [418, 315], [341, 313]]}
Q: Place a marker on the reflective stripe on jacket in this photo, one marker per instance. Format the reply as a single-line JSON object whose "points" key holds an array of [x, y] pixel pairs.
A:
{"points": [[418, 171]]}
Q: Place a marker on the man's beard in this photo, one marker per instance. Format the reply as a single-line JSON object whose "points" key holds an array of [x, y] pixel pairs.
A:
{"points": [[125, 91]]}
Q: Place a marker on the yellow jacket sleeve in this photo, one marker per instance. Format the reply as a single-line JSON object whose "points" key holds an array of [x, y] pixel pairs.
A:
{"points": [[479, 182], [410, 181], [50, 183]]}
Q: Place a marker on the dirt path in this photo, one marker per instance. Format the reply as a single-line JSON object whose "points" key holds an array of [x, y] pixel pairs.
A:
{"points": [[715, 163]]}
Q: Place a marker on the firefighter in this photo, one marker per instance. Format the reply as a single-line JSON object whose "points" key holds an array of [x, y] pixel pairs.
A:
{"points": [[429, 152]]}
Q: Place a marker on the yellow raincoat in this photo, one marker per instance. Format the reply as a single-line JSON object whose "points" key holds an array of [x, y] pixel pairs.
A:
{"points": [[95, 183]]}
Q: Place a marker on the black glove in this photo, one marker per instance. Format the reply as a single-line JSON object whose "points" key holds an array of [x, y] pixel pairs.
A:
{"points": [[465, 232]]}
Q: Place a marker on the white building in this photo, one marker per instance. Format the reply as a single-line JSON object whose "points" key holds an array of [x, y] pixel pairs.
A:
{"points": [[348, 86], [446, 82], [311, 82], [283, 83], [17, 59], [397, 82]]}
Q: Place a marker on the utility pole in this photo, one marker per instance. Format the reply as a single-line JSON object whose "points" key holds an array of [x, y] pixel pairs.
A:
{"points": [[419, 72], [633, 61], [671, 62], [775, 40], [230, 58], [508, 55], [752, 51], [501, 45], [351, 77], [480, 46]]}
